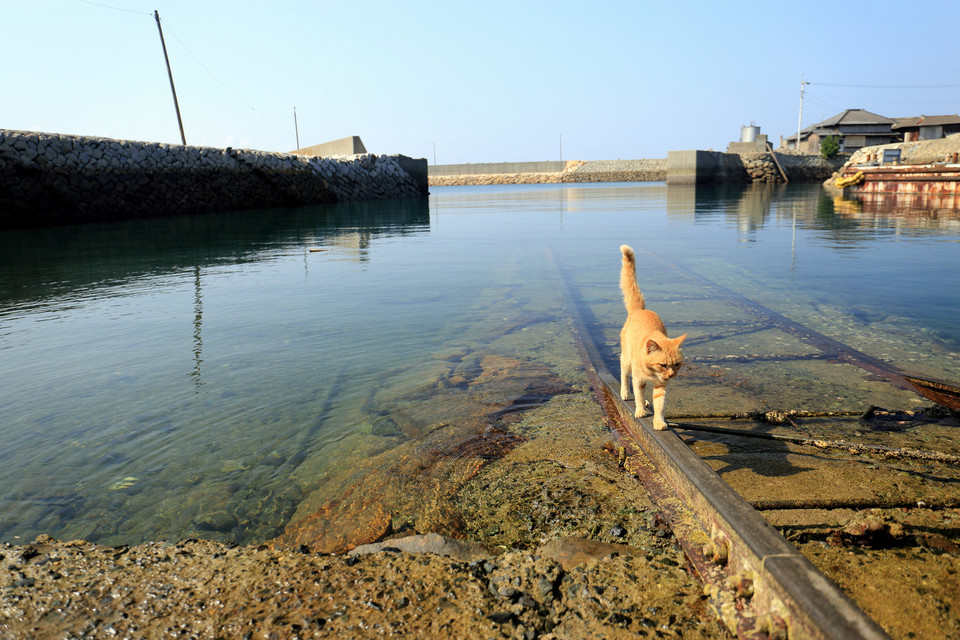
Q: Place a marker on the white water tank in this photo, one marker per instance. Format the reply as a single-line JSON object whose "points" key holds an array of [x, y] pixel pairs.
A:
{"points": [[749, 134]]}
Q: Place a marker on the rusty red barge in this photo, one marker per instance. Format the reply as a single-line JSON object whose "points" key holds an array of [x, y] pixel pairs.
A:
{"points": [[929, 185]]}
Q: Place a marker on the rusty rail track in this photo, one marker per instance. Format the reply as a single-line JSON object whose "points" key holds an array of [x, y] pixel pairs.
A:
{"points": [[760, 585], [820, 443]]}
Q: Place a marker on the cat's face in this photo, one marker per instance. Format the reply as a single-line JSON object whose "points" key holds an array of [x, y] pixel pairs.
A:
{"points": [[664, 358]]}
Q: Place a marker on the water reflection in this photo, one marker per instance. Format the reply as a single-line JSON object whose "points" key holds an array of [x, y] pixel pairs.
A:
{"points": [[101, 326], [747, 207], [197, 330], [751, 208], [902, 211], [41, 265]]}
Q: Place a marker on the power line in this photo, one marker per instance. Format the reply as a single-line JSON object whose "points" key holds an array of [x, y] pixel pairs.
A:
{"points": [[883, 100], [183, 44], [825, 104], [888, 86], [108, 6], [219, 81]]}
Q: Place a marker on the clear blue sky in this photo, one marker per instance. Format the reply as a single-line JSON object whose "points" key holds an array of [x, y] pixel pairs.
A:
{"points": [[474, 81]]}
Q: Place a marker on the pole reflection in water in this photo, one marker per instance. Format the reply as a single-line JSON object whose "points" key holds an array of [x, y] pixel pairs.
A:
{"points": [[197, 330]]}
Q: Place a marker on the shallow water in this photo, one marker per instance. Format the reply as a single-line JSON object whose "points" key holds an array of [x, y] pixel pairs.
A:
{"points": [[202, 377]]}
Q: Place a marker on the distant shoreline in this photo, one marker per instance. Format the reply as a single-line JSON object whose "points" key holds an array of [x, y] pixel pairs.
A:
{"points": [[644, 170], [739, 168]]}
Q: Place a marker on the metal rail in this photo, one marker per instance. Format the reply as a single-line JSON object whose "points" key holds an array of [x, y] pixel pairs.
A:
{"points": [[820, 443], [940, 392], [760, 584]]}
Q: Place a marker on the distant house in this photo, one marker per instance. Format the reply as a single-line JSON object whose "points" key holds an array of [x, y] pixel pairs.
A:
{"points": [[855, 128], [926, 127]]}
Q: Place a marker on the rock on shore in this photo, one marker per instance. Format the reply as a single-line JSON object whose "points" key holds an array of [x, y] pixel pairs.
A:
{"points": [[919, 152]]}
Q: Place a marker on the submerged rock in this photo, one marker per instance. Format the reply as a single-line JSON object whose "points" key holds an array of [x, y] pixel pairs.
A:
{"points": [[463, 550], [216, 521], [869, 529], [569, 552], [453, 432]]}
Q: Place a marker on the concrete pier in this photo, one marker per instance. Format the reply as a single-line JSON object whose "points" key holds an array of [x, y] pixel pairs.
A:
{"points": [[695, 167]]}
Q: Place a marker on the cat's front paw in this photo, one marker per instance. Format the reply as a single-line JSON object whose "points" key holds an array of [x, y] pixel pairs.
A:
{"points": [[624, 393], [659, 424], [641, 410]]}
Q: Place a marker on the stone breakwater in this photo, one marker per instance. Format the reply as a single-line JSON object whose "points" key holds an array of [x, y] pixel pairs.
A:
{"points": [[495, 178], [645, 170], [572, 171], [61, 179], [807, 168], [761, 167], [731, 168]]}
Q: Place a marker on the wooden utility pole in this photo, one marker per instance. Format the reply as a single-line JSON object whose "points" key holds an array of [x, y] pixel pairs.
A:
{"points": [[295, 127], [176, 105]]}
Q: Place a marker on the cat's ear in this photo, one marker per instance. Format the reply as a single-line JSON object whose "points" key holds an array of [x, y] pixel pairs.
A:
{"points": [[679, 341], [652, 346]]}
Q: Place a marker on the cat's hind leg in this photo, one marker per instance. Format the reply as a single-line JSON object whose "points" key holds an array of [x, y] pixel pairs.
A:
{"points": [[624, 375]]}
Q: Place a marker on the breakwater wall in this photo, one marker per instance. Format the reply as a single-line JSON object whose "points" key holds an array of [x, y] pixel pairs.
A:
{"points": [[708, 167], [48, 179], [548, 172], [680, 167]]}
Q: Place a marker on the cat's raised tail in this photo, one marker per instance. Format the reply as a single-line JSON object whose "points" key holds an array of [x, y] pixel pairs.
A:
{"points": [[632, 297]]}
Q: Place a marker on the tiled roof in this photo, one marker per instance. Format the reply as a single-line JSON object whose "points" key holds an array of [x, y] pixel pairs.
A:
{"points": [[830, 126], [925, 121], [852, 116]]}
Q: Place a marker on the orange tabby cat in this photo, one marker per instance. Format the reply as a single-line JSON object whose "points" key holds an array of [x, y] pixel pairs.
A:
{"points": [[646, 353]]}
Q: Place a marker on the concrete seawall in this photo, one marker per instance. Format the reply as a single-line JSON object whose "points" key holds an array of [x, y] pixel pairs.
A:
{"points": [[50, 179], [681, 167], [548, 172]]}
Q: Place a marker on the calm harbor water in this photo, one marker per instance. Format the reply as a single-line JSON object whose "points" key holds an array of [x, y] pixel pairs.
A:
{"points": [[198, 377]]}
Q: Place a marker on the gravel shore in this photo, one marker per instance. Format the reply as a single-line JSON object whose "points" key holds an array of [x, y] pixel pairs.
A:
{"points": [[202, 589]]}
